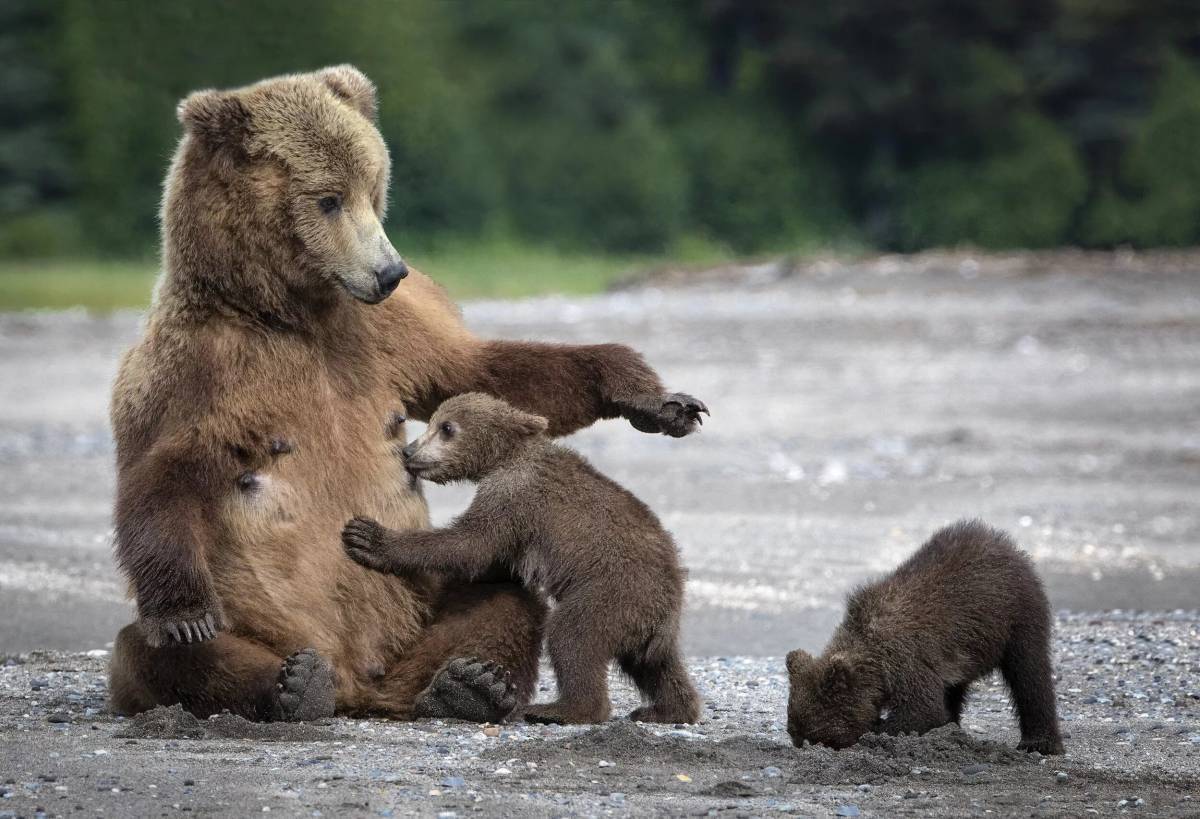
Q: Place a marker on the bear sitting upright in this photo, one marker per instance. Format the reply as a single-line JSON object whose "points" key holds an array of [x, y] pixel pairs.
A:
{"points": [[910, 646], [284, 313], [558, 523]]}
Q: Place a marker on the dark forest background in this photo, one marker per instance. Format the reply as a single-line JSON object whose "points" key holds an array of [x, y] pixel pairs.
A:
{"points": [[620, 127]]}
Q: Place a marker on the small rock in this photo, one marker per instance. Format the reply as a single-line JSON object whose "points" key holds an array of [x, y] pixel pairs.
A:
{"points": [[604, 763], [453, 782], [59, 717], [1061, 776], [491, 730], [38, 683], [771, 771], [502, 772], [847, 810], [977, 768]]}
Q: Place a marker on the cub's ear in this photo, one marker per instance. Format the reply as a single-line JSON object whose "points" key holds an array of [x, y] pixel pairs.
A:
{"points": [[352, 85], [526, 423], [798, 660], [214, 116], [838, 674]]}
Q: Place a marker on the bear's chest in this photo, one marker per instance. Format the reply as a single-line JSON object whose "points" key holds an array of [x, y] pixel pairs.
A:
{"points": [[340, 457]]}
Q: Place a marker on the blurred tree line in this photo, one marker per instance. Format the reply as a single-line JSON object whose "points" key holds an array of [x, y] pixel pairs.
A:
{"points": [[759, 124]]}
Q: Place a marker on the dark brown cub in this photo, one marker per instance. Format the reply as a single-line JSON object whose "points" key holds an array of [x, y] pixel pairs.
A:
{"points": [[562, 526], [911, 644]]}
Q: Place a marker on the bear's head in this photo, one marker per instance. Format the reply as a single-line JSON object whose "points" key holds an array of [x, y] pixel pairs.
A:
{"points": [[833, 700], [468, 436], [276, 196]]}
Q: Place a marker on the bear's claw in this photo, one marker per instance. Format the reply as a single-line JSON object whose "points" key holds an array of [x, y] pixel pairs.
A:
{"points": [[676, 414], [305, 687], [160, 631], [468, 689]]}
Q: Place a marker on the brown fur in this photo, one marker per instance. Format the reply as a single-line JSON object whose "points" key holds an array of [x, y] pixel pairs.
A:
{"points": [[965, 603], [542, 510], [272, 321]]}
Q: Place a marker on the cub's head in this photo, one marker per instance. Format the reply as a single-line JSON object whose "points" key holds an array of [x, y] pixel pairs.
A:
{"points": [[833, 701], [468, 436], [278, 191]]}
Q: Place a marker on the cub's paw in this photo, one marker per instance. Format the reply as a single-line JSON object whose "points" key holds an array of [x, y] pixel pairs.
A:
{"points": [[468, 689], [194, 626], [1047, 746], [556, 713], [305, 687], [676, 414], [362, 538]]}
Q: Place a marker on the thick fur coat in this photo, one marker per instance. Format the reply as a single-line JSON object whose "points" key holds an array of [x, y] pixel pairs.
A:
{"points": [[265, 404], [966, 603], [547, 515]]}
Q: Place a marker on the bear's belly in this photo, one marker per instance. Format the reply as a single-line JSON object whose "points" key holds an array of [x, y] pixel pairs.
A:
{"points": [[280, 570]]}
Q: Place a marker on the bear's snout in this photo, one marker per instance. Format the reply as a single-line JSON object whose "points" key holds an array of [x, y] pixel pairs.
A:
{"points": [[408, 450], [389, 276]]}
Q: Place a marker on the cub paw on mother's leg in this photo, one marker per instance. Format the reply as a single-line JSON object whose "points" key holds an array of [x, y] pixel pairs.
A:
{"points": [[305, 687], [468, 689]]}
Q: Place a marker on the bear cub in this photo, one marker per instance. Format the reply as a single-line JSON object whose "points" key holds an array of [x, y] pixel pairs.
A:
{"points": [[911, 644], [548, 515]]}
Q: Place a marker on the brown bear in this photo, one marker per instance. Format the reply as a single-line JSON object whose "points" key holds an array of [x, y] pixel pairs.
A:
{"points": [[285, 319], [911, 644], [561, 526]]}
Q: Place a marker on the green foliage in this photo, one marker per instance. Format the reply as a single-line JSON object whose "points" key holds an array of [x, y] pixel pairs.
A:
{"points": [[623, 127], [1023, 192], [753, 183]]}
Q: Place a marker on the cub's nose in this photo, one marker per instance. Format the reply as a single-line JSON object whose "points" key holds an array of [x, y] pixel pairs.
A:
{"points": [[409, 450], [390, 276]]}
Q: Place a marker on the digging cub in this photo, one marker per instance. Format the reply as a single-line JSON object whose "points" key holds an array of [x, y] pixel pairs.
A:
{"points": [[911, 644], [592, 546]]}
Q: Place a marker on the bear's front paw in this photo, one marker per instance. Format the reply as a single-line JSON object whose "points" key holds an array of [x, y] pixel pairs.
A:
{"points": [[363, 539], [180, 628], [676, 414]]}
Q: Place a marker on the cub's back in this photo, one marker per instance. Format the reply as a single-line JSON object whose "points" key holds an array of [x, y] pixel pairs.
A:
{"points": [[968, 582]]}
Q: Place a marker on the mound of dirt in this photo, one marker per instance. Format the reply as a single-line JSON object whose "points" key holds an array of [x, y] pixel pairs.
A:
{"points": [[175, 723]]}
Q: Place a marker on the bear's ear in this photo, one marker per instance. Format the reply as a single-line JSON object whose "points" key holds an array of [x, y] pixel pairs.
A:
{"points": [[838, 674], [528, 424], [214, 116], [352, 85], [798, 660]]}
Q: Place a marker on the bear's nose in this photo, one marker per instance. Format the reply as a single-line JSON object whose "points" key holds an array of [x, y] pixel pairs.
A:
{"points": [[409, 450], [390, 276]]}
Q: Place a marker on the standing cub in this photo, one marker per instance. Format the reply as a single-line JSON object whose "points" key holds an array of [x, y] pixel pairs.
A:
{"points": [[911, 644], [560, 524]]}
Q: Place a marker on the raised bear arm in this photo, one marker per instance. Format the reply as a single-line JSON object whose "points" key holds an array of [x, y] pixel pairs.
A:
{"points": [[162, 536], [462, 548], [572, 386]]}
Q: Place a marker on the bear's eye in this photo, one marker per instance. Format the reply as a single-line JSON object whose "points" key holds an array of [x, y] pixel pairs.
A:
{"points": [[447, 429], [330, 204]]}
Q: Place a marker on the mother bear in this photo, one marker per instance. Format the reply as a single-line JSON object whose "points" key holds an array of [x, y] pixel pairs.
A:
{"points": [[265, 405]]}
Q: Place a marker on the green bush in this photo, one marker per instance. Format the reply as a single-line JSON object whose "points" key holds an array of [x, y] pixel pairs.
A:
{"points": [[751, 185], [1164, 161], [1023, 191]]}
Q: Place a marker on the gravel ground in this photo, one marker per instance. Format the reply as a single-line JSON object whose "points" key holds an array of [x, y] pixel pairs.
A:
{"points": [[857, 406], [1129, 694]]}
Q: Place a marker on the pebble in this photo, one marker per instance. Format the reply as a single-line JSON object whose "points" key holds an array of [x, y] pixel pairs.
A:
{"points": [[59, 717], [1061, 776], [453, 782], [38, 683], [604, 763], [847, 810], [977, 768]]}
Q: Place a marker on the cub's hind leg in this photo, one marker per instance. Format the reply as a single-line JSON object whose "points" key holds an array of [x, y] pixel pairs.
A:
{"points": [[580, 656], [1026, 668], [661, 675]]}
